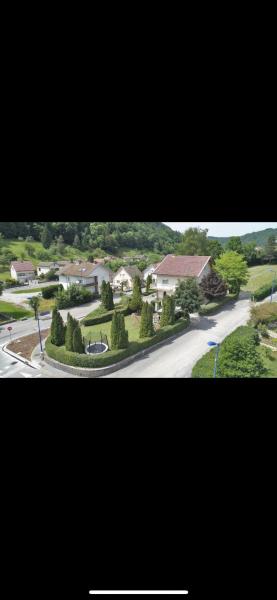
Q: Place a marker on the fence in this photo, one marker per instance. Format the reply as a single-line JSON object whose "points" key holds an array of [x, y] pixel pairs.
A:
{"points": [[91, 339]]}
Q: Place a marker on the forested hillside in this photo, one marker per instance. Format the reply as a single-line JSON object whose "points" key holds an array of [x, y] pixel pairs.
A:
{"points": [[260, 237], [111, 237]]}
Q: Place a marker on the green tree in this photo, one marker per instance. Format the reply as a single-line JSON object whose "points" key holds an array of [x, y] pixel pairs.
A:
{"points": [[70, 328], [250, 253], [168, 314], [34, 304], [189, 296], [215, 249], [46, 236], [194, 243], [60, 245], [90, 258], [143, 321], [123, 336], [77, 342], [30, 249], [103, 293], [270, 248], [148, 283], [136, 300], [110, 302], [232, 267], [234, 244], [239, 358], [57, 328], [213, 286], [1, 288], [115, 331], [76, 243]]}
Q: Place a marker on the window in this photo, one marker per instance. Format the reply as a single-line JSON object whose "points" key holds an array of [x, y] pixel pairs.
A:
{"points": [[165, 281]]}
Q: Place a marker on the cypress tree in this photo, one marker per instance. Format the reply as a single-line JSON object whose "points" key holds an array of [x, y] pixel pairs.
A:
{"points": [[104, 293], [69, 333], [168, 314], [136, 300], [54, 336], [123, 334], [115, 331], [46, 237], [78, 345], [148, 283], [150, 325], [57, 329], [109, 292], [143, 331]]}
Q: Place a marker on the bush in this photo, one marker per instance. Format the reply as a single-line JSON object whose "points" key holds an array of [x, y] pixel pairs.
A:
{"points": [[262, 329], [104, 317], [75, 295], [264, 313], [114, 356], [237, 358], [213, 307], [262, 293], [10, 283], [50, 291]]}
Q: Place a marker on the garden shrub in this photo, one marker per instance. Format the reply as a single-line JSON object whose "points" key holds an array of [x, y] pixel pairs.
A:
{"points": [[49, 292], [104, 317], [262, 328], [263, 292], [264, 313], [75, 295], [109, 358]]}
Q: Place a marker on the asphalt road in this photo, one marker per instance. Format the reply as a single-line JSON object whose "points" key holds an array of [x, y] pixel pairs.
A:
{"points": [[177, 358]]}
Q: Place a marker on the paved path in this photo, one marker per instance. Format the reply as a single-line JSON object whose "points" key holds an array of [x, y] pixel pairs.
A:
{"points": [[177, 358]]}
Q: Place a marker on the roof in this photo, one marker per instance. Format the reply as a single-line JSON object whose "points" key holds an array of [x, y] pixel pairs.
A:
{"points": [[84, 269], [23, 267], [153, 266], [182, 266], [132, 271], [61, 263]]}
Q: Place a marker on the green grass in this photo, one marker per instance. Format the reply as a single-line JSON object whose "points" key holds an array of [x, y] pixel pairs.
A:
{"points": [[4, 275], [12, 311], [269, 360], [258, 277], [132, 324], [31, 291], [17, 247], [212, 307]]}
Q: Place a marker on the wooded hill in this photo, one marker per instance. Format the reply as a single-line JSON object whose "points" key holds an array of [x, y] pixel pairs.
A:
{"points": [[260, 237]]}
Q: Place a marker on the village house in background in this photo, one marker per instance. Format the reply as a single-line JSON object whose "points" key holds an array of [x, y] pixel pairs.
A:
{"points": [[125, 277], [150, 270], [46, 267], [89, 275], [23, 272], [174, 269]]}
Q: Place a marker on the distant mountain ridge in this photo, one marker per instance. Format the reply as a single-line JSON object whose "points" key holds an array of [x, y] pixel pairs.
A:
{"points": [[260, 237]]}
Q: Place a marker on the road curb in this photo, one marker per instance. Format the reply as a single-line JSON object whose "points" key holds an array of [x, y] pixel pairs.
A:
{"points": [[19, 358]]}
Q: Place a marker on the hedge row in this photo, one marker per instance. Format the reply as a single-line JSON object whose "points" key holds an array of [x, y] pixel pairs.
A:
{"points": [[263, 292], [113, 356], [104, 317], [204, 368], [213, 307]]}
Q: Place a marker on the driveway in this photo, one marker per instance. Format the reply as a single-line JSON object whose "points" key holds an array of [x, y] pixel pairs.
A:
{"points": [[177, 358]]}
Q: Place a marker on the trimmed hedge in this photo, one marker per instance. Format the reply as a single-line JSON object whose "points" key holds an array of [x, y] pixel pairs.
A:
{"points": [[113, 356], [49, 292], [104, 317], [213, 307], [263, 292]]}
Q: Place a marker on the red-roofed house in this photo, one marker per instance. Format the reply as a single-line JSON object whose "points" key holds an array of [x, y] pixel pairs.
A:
{"points": [[23, 271], [174, 269]]}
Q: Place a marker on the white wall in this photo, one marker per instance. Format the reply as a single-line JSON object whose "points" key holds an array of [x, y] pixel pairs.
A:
{"points": [[22, 277], [121, 276], [100, 272], [170, 287]]}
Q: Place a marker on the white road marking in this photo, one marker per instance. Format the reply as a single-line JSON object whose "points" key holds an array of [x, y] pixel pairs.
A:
{"points": [[26, 374]]}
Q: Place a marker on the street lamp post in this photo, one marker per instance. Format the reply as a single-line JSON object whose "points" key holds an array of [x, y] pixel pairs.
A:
{"points": [[212, 344]]}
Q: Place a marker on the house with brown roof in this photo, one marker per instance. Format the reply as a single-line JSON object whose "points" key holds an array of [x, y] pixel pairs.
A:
{"points": [[23, 271], [125, 277], [174, 269], [89, 275], [45, 267]]}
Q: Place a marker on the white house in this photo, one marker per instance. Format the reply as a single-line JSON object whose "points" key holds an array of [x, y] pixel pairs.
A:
{"points": [[23, 271], [149, 271], [126, 275], [45, 267], [174, 269], [87, 274]]}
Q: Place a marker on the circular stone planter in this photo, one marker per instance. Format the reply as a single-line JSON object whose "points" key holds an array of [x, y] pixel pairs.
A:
{"points": [[98, 348]]}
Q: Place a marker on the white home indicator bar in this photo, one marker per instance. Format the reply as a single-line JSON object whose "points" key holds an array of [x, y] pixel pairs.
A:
{"points": [[139, 592]]}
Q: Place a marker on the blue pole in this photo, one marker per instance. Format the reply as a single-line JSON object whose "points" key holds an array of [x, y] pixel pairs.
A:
{"points": [[215, 362]]}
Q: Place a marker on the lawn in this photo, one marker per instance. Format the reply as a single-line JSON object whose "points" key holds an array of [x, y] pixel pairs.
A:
{"points": [[31, 291], [132, 324], [13, 311], [17, 247], [4, 275], [259, 276], [46, 305]]}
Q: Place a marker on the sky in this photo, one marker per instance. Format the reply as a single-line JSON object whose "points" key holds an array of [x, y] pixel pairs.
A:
{"points": [[221, 229]]}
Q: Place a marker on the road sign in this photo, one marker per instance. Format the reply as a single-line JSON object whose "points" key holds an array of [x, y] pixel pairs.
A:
{"points": [[9, 328]]}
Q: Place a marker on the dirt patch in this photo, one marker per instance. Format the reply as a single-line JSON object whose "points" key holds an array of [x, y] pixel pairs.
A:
{"points": [[24, 346]]}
